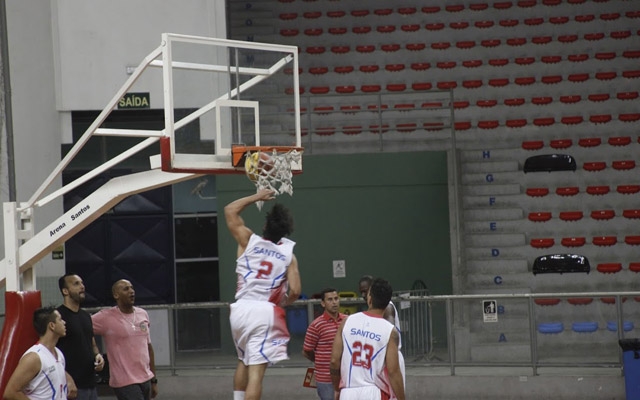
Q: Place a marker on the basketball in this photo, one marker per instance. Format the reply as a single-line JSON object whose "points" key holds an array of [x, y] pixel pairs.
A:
{"points": [[257, 164]]}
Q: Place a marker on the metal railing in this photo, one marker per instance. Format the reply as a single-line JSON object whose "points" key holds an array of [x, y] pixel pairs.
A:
{"points": [[449, 330]]}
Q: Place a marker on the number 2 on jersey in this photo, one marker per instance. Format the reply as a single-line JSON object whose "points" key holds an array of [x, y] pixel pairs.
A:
{"points": [[361, 356], [265, 271]]}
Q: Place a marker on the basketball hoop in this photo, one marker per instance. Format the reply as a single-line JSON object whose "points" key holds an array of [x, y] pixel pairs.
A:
{"points": [[269, 167]]}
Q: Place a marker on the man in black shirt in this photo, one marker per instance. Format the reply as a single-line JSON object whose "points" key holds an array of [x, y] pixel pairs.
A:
{"points": [[79, 346]]}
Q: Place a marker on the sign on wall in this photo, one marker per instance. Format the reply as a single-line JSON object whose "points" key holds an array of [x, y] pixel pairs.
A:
{"points": [[135, 101]]}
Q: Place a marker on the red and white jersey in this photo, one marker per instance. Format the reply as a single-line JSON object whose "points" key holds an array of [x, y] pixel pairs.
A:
{"points": [[365, 338], [262, 269]]}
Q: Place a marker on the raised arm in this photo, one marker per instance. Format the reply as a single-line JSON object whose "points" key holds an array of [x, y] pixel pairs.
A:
{"points": [[336, 357], [393, 365], [235, 223]]}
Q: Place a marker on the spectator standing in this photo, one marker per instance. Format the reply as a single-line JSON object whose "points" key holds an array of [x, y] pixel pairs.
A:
{"points": [[318, 341], [79, 347], [125, 330]]}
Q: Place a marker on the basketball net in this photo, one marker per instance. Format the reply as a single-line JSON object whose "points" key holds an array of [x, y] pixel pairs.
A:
{"points": [[272, 171]]}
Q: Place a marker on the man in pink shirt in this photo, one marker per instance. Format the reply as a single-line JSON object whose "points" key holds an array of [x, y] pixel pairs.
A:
{"points": [[125, 330]]}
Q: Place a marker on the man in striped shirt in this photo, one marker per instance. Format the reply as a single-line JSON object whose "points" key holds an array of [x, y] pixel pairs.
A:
{"points": [[318, 341]]}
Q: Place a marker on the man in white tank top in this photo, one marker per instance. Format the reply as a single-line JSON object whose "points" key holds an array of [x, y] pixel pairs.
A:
{"points": [[364, 359], [391, 315], [266, 268], [40, 374]]}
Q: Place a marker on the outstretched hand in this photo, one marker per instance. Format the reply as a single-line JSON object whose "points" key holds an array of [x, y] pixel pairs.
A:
{"points": [[265, 194]]}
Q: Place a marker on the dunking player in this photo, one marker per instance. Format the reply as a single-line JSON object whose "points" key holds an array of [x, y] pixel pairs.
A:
{"points": [[391, 315], [370, 368], [266, 266]]}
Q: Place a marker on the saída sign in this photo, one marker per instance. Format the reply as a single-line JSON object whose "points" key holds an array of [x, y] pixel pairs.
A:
{"points": [[134, 101]]}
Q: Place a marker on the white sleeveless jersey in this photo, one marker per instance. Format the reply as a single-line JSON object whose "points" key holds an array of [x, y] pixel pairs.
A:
{"points": [[365, 338], [51, 382], [262, 269]]}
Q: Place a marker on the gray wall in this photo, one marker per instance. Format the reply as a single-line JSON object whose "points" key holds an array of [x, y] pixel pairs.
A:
{"points": [[384, 214]]}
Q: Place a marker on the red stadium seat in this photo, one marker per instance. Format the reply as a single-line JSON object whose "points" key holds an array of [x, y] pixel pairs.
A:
{"points": [[578, 77], [337, 30], [629, 117], [525, 80], [383, 11], [430, 9], [344, 69], [289, 32], [534, 21], [498, 62], [288, 16], [410, 27], [572, 120], [360, 13], [420, 66], [370, 88], [594, 36], [440, 45], [466, 44], [573, 241], [316, 49], [632, 240], [631, 74], [516, 123], [609, 268], [446, 64], [454, 8], [490, 43], [319, 89], [478, 6], [623, 165], [361, 30], [404, 106], [323, 109], [547, 302], [345, 89], [514, 102], [538, 192], [526, 3], [312, 14], [628, 189], [508, 23], [396, 87], [539, 216], [597, 190], [589, 142], [606, 76], [318, 70], [610, 55], [415, 46], [570, 99], [609, 16], [599, 97], [571, 215], [486, 103], [394, 67], [620, 34], [407, 10], [484, 24], [541, 100], [546, 121], [560, 143], [542, 243], [352, 129], [336, 14], [619, 140], [602, 214], [502, 5], [459, 25], [580, 301], [551, 79], [551, 59], [389, 48], [365, 48], [635, 267], [421, 85], [435, 26], [490, 124], [559, 20], [340, 49], [379, 128], [525, 61], [594, 166], [517, 41], [578, 57], [462, 125], [472, 63], [584, 18], [567, 38], [499, 82], [313, 32], [567, 191], [600, 118], [631, 54], [406, 127], [604, 240], [627, 95], [350, 108], [472, 84], [459, 104], [447, 85], [541, 39], [386, 28], [631, 214]]}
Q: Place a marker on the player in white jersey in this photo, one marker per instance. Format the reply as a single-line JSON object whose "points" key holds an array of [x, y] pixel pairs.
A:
{"points": [[40, 374], [364, 359], [267, 268], [391, 315]]}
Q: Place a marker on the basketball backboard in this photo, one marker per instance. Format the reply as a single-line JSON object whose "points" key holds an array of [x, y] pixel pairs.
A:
{"points": [[226, 90]]}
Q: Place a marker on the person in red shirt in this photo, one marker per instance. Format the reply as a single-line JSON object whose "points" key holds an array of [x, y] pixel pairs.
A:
{"points": [[318, 341]]}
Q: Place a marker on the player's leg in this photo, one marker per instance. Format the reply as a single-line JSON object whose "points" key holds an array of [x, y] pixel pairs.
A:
{"points": [[254, 382], [240, 379]]}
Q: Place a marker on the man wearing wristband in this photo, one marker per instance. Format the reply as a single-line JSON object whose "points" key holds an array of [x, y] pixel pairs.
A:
{"points": [[79, 345], [125, 330]]}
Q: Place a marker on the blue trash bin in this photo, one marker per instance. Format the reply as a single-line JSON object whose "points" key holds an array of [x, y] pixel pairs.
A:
{"points": [[631, 362]]}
